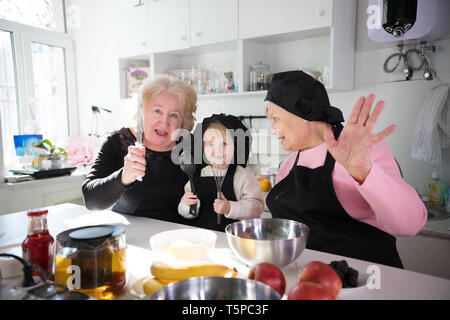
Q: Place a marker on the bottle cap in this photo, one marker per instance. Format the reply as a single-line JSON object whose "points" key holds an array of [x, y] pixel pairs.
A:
{"points": [[36, 212]]}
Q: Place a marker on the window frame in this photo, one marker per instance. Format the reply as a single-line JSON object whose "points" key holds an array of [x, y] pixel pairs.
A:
{"points": [[22, 36]]}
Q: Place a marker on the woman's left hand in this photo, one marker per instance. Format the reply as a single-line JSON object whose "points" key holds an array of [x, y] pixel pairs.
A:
{"points": [[354, 145], [222, 205]]}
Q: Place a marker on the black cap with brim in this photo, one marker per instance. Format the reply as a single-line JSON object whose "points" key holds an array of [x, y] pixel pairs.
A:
{"points": [[304, 96]]}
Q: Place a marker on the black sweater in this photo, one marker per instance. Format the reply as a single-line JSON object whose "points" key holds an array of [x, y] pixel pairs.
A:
{"points": [[157, 196]]}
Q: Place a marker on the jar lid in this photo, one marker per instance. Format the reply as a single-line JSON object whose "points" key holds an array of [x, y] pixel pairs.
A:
{"points": [[260, 65], [36, 212], [91, 233], [89, 236]]}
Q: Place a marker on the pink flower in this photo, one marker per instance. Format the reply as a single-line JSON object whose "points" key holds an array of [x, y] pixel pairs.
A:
{"points": [[80, 150]]}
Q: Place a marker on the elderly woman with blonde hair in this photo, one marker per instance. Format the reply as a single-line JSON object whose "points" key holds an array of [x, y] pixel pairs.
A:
{"points": [[168, 105]]}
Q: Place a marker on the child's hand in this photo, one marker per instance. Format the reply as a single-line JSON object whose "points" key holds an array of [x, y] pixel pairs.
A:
{"points": [[222, 205], [189, 198]]}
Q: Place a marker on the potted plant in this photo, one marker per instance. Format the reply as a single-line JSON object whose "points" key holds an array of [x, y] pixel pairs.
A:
{"points": [[54, 157]]}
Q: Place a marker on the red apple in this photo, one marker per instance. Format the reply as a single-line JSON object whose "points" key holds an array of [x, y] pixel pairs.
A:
{"points": [[269, 274], [305, 290], [323, 274]]}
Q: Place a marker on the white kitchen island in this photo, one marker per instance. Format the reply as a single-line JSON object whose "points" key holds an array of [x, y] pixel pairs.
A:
{"points": [[386, 282]]}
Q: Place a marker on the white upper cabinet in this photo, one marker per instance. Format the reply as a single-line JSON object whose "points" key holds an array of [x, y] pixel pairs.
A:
{"points": [[213, 21], [168, 23], [259, 18], [130, 31]]}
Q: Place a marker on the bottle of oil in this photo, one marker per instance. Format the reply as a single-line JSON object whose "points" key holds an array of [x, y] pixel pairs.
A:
{"points": [[38, 247]]}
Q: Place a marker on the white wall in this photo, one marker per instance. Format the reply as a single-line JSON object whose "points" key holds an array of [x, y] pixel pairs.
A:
{"points": [[99, 43], [98, 40]]}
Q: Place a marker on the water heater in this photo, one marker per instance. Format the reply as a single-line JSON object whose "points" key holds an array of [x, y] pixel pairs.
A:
{"points": [[399, 20]]}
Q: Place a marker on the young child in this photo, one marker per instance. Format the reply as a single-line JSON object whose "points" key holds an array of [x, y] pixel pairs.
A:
{"points": [[241, 196]]}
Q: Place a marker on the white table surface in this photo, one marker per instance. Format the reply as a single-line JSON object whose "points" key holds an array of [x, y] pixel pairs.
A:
{"points": [[394, 283]]}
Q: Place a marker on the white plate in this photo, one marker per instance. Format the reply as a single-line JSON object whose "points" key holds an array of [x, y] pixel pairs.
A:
{"points": [[137, 288]]}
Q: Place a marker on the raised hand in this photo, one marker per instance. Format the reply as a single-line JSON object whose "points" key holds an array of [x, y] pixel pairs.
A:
{"points": [[133, 165], [356, 141]]}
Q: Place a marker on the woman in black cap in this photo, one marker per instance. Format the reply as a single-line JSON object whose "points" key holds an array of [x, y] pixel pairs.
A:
{"points": [[342, 182], [226, 148]]}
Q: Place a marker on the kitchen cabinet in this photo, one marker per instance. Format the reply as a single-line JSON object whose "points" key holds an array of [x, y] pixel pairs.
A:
{"points": [[213, 21], [180, 24], [315, 36], [259, 18], [425, 254], [322, 41], [41, 193], [130, 31], [168, 25]]}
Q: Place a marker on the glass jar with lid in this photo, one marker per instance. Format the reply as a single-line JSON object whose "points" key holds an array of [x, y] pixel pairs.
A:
{"points": [[259, 77], [91, 260]]}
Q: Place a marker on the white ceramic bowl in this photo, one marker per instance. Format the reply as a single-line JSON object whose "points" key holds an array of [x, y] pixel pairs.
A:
{"points": [[183, 244]]}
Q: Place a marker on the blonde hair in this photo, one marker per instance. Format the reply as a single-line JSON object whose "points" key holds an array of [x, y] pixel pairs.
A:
{"points": [[218, 126], [186, 94]]}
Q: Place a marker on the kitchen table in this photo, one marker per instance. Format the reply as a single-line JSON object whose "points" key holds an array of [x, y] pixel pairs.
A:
{"points": [[385, 282]]}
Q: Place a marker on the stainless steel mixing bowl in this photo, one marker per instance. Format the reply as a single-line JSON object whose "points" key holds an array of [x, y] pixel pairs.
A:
{"points": [[278, 241], [215, 288]]}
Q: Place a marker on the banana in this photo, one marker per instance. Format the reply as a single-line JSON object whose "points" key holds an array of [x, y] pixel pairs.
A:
{"points": [[151, 285], [164, 271]]}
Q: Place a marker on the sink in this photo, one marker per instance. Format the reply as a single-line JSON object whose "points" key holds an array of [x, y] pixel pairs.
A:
{"points": [[436, 212]]}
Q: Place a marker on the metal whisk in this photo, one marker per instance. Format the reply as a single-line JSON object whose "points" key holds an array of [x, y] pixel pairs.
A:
{"points": [[218, 177]]}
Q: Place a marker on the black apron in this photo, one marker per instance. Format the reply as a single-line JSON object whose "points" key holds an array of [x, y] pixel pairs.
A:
{"points": [[207, 193], [308, 196]]}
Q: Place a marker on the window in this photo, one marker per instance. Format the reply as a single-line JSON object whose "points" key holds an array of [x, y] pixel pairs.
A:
{"points": [[37, 88], [49, 84], [45, 14], [8, 97]]}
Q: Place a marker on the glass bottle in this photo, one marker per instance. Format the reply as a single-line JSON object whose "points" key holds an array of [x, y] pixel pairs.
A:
{"points": [[436, 190], [38, 246]]}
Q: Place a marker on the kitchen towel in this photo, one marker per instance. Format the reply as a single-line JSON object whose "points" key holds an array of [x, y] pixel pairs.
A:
{"points": [[433, 126]]}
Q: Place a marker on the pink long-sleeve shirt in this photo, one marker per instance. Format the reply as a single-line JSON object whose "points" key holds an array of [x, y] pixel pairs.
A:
{"points": [[384, 200]]}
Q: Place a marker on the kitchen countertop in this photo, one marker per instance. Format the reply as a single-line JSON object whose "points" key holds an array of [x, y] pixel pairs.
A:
{"points": [[438, 227], [393, 283]]}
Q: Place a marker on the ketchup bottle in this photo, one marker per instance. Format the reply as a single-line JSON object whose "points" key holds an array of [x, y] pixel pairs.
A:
{"points": [[38, 247]]}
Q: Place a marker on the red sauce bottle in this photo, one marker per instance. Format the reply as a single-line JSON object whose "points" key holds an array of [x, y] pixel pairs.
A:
{"points": [[38, 247]]}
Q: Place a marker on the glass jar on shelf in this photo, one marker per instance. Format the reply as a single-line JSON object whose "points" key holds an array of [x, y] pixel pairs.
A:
{"points": [[259, 77]]}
